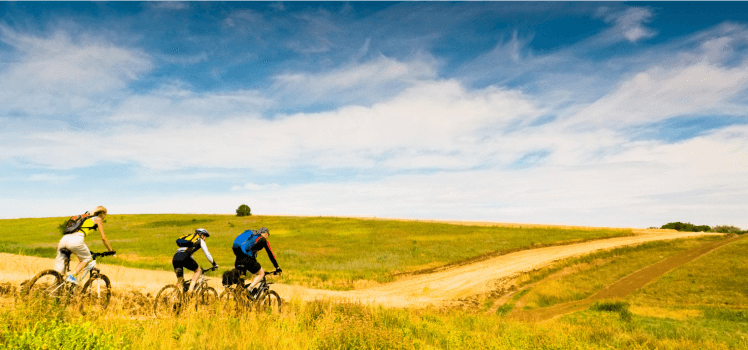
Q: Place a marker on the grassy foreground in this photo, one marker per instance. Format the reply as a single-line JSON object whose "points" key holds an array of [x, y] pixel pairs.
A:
{"points": [[322, 252], [320, 325]]}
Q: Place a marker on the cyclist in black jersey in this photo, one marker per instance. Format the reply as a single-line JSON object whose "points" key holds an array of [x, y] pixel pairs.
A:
{"points": [[183, 258], [246, 246]]}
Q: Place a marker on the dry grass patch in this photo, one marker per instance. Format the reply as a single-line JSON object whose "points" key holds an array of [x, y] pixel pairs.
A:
{"points": [[651, 311]]}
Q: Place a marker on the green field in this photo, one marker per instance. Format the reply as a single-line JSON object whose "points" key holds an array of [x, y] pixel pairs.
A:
{"points": [[579, 278], [700, 305], [320, 252]]}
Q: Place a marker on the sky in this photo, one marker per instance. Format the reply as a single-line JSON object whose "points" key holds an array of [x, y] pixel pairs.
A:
{"points": [[588, 113]]}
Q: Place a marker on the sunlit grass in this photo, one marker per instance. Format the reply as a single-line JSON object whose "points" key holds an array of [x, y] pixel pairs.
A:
{"points": [[335, 253], [593, 272]]}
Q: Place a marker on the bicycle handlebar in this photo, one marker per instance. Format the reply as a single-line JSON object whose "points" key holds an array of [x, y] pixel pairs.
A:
{"points": [[96, 255], [210, 269]]}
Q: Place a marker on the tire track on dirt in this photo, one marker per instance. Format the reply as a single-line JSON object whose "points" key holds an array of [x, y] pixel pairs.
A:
{"points": [[624, 286]]}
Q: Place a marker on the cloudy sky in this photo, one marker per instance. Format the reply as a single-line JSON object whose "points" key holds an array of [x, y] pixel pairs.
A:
{"points": [[601, 114]]}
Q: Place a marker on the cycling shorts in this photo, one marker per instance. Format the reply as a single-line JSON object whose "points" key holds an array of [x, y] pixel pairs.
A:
{"points": [[184, 260], [73, 242], [245, 262]]}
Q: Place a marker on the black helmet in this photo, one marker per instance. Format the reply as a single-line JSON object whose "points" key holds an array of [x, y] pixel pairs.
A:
{"points": [[202, 232], [263, 230]]}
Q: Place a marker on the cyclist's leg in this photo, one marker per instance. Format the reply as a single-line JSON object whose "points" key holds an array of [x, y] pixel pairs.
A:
{"points": [[254, 267], [73, 242], [191, 264], [178, 263]]}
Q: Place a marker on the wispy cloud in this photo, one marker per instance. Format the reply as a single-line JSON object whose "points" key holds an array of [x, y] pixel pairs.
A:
{"points": [[168, 5], [628, 24], [59, 73]]}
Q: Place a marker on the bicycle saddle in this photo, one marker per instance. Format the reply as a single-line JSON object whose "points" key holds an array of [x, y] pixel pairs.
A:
{"points": [[66, 252]]}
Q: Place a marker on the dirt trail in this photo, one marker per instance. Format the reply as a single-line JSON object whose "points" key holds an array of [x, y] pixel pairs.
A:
{"points": [[440, 288]]}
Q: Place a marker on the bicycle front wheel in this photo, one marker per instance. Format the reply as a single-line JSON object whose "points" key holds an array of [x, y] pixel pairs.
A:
{"points": [[168, 301], [96, 293], [46, 286], [269, 302]]}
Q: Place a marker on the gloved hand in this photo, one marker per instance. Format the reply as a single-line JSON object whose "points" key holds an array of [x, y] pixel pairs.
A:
{"points": [[278, 271]]}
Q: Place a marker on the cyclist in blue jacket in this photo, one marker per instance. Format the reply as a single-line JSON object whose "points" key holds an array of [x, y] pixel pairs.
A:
{"points": [[245, 247]]}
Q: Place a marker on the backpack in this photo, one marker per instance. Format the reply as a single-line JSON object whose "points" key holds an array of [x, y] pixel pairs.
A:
{"points": [[246, 236], [187, 241], [75, 223]]}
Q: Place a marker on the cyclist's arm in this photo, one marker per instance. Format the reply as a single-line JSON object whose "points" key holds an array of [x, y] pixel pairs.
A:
{"points": [[266, 245], [100, 223], [204, 247]]}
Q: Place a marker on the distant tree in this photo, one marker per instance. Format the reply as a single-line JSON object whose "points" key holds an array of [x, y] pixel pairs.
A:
{"points": [[243, 210], [687, 227], [727, 229]]}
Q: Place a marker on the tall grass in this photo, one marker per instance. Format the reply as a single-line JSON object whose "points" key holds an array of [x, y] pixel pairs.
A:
{"points": [[334, 253], [323, 325]]}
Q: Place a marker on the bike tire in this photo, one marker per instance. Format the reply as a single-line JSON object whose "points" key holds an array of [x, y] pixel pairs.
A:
{"points": [[96, 293], [45, 286], [168, 301], [269, 302]]}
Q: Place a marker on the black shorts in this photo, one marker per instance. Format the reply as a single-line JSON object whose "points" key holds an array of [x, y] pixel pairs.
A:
{"points": [[185, 260], [245, 262]]}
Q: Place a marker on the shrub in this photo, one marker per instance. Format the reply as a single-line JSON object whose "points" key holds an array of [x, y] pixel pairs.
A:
{"points": [[726, 229], [243, 210], [687, 227], [620, 307]]}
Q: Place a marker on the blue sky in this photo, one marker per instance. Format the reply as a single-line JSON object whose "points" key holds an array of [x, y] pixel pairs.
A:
{"points": [[588, 113]]}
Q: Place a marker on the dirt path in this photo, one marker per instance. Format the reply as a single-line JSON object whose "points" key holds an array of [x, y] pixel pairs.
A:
{"points": [[440, 288], [624, 286]]}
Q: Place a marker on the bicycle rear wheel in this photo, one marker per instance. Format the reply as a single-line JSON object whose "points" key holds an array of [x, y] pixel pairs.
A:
{"points": [[168, 301], [46, 286], [269, 302], [96, 293]]}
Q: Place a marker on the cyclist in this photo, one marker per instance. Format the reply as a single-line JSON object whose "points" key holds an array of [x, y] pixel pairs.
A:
{"points": [[75, 243], [245, 247], [188, 245]]}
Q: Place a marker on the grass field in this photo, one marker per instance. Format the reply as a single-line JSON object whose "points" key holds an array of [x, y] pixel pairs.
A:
{"points": [[578, 278], [700, 305], [322, 252]]}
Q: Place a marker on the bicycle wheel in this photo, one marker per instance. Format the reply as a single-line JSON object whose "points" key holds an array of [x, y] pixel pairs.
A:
{"points": [[96, 293], [269, 302], [207, 299], [168, 301], [46, 286]]}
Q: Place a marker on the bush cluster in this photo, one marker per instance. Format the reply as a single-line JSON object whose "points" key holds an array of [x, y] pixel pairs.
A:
{"points": [[689, 227]]}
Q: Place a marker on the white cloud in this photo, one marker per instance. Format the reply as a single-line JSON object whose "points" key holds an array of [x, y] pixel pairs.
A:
{"points": [[59, 74], [628, 24], [660, 93], [356, 83]]}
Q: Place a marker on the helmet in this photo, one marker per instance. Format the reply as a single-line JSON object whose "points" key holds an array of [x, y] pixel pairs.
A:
{"points": [[202, 232], [263, 230]]}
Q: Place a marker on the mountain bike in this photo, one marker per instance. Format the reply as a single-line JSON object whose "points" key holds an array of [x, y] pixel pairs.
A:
{"points": [[239, 298], [50, 285], [171, 299]]}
